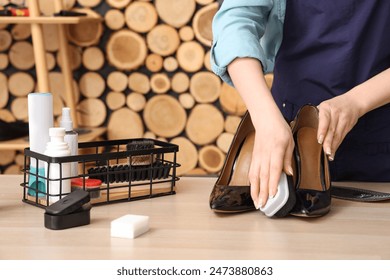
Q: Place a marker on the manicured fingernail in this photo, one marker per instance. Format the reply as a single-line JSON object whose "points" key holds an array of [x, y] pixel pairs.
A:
{"points": [[320, 139], [328, 152], [290, 171], [260, 203], [272, 196], [331, 158]]}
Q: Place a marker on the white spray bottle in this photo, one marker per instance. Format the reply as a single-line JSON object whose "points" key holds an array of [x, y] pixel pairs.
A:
{"points": [[71, 137]]}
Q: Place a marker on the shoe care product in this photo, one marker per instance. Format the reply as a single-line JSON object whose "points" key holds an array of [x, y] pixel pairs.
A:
{"points": [[57, 172], [64, 13], [15, 9], [143, 166], [40, 119], [72, 211], [126, 173], [281, 204], [71, 137], [90, 185], [140, 145], [129, 226]]}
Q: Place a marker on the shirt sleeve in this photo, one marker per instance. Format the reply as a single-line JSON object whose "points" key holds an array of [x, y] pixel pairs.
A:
{"points": [[238, 27]]}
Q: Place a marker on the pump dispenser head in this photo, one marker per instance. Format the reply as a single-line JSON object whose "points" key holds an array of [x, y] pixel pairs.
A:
{"points": [[66, 121]]}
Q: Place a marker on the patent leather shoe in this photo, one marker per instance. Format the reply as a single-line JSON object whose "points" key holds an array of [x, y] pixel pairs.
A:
{"points": [[313, 197], [231, 192]]}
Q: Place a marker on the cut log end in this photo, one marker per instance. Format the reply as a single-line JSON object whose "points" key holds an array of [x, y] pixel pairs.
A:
{"points": [[114, 19], [187, 155], [126, 50], [21, 55], [119, 4], [164, 116], [21, 84], [87, 33], [141, 16], [115, 100], [92, 85], [231, 101], [202, 23], [4, 61], [91, 112], [124, 124], [187, 100], [170, 64], [205, 87], [205, 124], [93, 58], [5, 40], [117, 81], [180, 82], [175, 13], [21, 32], [19, 108], [139, 82], [89, 3], [186, 33], [136, 101], [190, 56], [163, 40], [232, 123], [224, 141], [211, 158], [160, 83], [154, 62]]}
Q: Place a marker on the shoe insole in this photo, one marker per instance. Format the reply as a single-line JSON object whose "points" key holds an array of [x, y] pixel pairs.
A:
{"points": [[242, 162], [310, 163]]}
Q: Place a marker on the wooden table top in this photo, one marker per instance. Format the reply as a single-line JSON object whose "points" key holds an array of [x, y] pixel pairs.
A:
{"points": [[183, 227]]}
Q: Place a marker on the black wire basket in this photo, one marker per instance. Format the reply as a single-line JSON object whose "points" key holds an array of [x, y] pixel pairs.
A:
{"points": [[125, 174]]}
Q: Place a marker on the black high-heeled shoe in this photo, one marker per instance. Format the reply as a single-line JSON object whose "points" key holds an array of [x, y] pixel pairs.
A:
{"points": [[313, 179], [231, 192]]}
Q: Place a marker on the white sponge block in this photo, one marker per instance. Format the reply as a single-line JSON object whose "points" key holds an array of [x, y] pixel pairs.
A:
{"points": [[129, 226]]}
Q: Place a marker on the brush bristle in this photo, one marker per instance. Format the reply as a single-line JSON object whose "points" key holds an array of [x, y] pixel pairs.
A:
{"points": [[136, 145]]}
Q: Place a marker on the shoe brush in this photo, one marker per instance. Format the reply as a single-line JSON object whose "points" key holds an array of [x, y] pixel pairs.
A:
{"points": [[140, 145]]}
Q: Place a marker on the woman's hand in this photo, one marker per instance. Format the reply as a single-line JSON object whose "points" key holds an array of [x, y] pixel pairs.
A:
{"points": [[272, 153], [337, 117], [274, 143], [339, 114]]}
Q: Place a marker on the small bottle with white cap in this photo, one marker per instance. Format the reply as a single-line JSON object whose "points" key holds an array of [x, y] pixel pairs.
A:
{"points": [[56, 172], [71, 137]]}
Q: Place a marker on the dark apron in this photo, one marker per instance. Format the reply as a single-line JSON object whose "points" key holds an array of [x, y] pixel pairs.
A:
{"points": [[328, 47]]}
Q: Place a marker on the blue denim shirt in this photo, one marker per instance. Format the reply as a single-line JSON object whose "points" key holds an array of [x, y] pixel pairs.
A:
{"points": [[247, 28]]}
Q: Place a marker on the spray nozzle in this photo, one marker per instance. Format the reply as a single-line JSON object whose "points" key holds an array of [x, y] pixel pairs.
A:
{"points": [[66, 120]]}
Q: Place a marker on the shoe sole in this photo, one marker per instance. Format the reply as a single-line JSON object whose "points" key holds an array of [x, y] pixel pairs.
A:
{"points": [[232, 212]]}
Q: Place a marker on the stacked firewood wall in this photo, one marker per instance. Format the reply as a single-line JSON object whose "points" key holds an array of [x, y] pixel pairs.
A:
{"points": [[144, 71]]}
